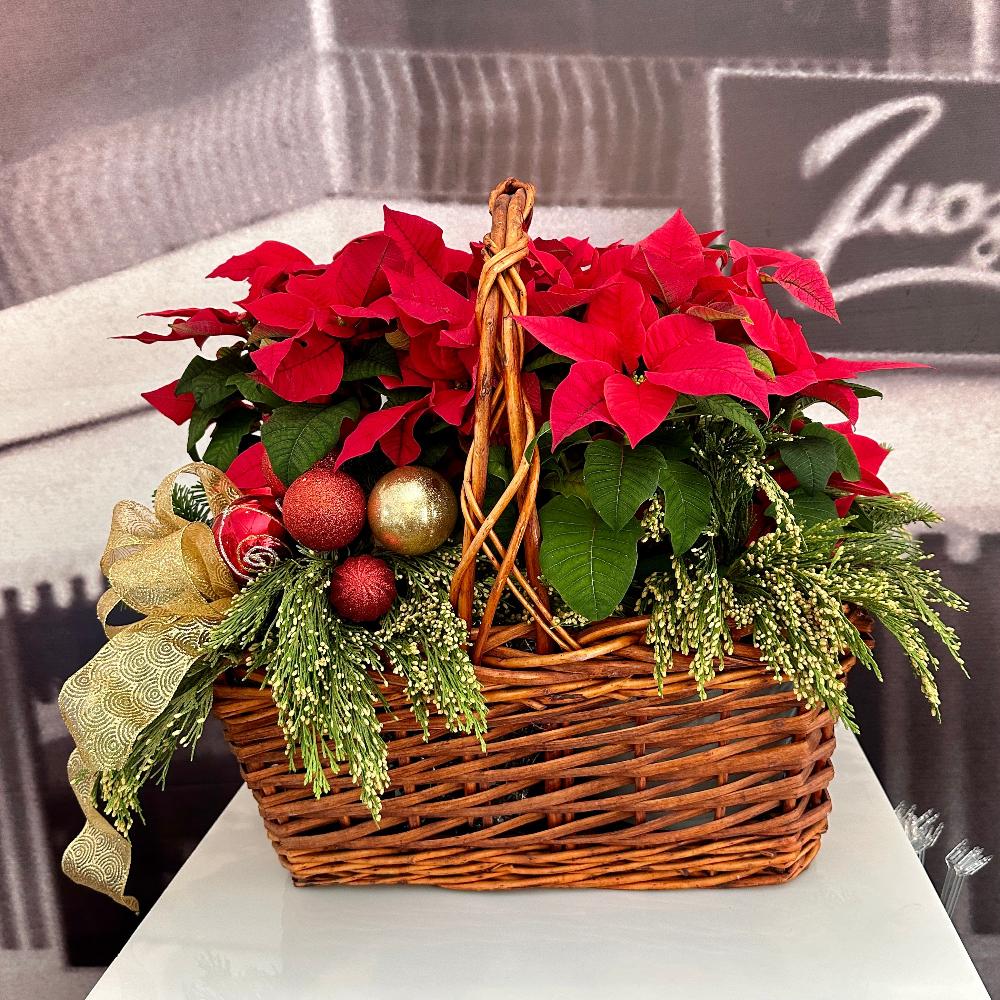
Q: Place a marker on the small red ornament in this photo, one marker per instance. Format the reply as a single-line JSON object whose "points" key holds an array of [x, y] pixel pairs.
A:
{"points": [[324, 509], [362, 588], [250, 536], [330, 463], [270, 477]]}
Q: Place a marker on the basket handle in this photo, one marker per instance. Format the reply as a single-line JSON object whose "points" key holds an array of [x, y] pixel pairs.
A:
{"points": [[501, 403]]}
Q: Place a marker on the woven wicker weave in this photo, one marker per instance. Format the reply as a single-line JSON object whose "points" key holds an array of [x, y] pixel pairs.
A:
{"points": [[591, 778]]}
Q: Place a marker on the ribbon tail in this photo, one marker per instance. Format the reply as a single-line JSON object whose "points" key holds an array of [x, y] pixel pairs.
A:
{"points": [[99, 856], [106, 706]]}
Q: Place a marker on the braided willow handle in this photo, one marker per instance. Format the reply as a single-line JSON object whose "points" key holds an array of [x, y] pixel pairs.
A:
{"points": [[501, 405]]}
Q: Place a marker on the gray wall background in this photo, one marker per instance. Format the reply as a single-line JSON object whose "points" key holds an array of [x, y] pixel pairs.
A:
{"points": [[142, 143]]}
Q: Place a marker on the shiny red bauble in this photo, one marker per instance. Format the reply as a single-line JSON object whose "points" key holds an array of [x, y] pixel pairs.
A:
{"points": [[270, 476], [362, 588], [324, 509], [250, 536]]}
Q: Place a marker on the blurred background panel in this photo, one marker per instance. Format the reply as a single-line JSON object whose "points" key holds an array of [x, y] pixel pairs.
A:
{"points": [[130, 129], [861, 172], [142, 143]]}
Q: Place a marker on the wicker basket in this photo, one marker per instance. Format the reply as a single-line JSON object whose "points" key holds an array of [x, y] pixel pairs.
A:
{"points": [[590, 778]]}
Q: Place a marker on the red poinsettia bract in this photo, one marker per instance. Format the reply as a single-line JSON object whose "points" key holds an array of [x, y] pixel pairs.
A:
{"points": [[639, 324], [662, 317]]}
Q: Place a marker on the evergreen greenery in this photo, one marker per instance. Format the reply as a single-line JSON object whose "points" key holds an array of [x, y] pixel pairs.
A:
{"points": [[325, 673], [424, 640], [793, 588], [179, 726], [702, 571], [190, 502]]}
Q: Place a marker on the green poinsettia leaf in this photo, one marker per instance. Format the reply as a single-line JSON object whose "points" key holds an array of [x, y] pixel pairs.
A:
{"points": [[687, 503], [230, 429], [249, 388], [546, 360], [588, 562], [543, 436], [208, 380], [760, 361], [498, 464], [812, 508], [729, 409], [404, 394], [811, 460], [297, 437], [201, 419], [847, 461], [862, 391], [619, 479], [379, 360], [569, 484]]}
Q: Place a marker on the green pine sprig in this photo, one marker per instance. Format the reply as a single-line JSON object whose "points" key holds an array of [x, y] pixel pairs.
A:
{"points": [[792, 588], [191, 502], [179, 726], [425, 639], [325, 674], [895, 511]]}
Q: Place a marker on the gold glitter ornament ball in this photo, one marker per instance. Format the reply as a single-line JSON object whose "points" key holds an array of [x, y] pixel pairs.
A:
{"points": [[412, 510]]}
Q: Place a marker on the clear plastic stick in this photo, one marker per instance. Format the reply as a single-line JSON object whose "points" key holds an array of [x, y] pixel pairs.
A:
{"points": [[922, 831], [962, 862]]}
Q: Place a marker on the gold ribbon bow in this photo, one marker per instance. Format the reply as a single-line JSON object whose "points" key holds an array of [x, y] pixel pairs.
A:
{"points": [[169, 570]]}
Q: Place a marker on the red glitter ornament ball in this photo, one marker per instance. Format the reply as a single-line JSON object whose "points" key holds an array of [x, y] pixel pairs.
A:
{"points": [[362, 588], [250, 536], [270, 477], [324, 509]]}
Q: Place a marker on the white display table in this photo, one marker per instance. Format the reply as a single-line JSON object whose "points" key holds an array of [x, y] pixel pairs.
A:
{"points": [[863, 922]]}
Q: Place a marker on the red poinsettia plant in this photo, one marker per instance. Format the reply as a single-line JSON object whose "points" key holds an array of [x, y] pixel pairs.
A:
{"points": [[629, 329], [672, 396], [354, 352]]}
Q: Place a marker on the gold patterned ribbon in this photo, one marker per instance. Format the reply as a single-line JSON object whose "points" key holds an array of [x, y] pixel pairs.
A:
{"points": [[167, 569]]}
